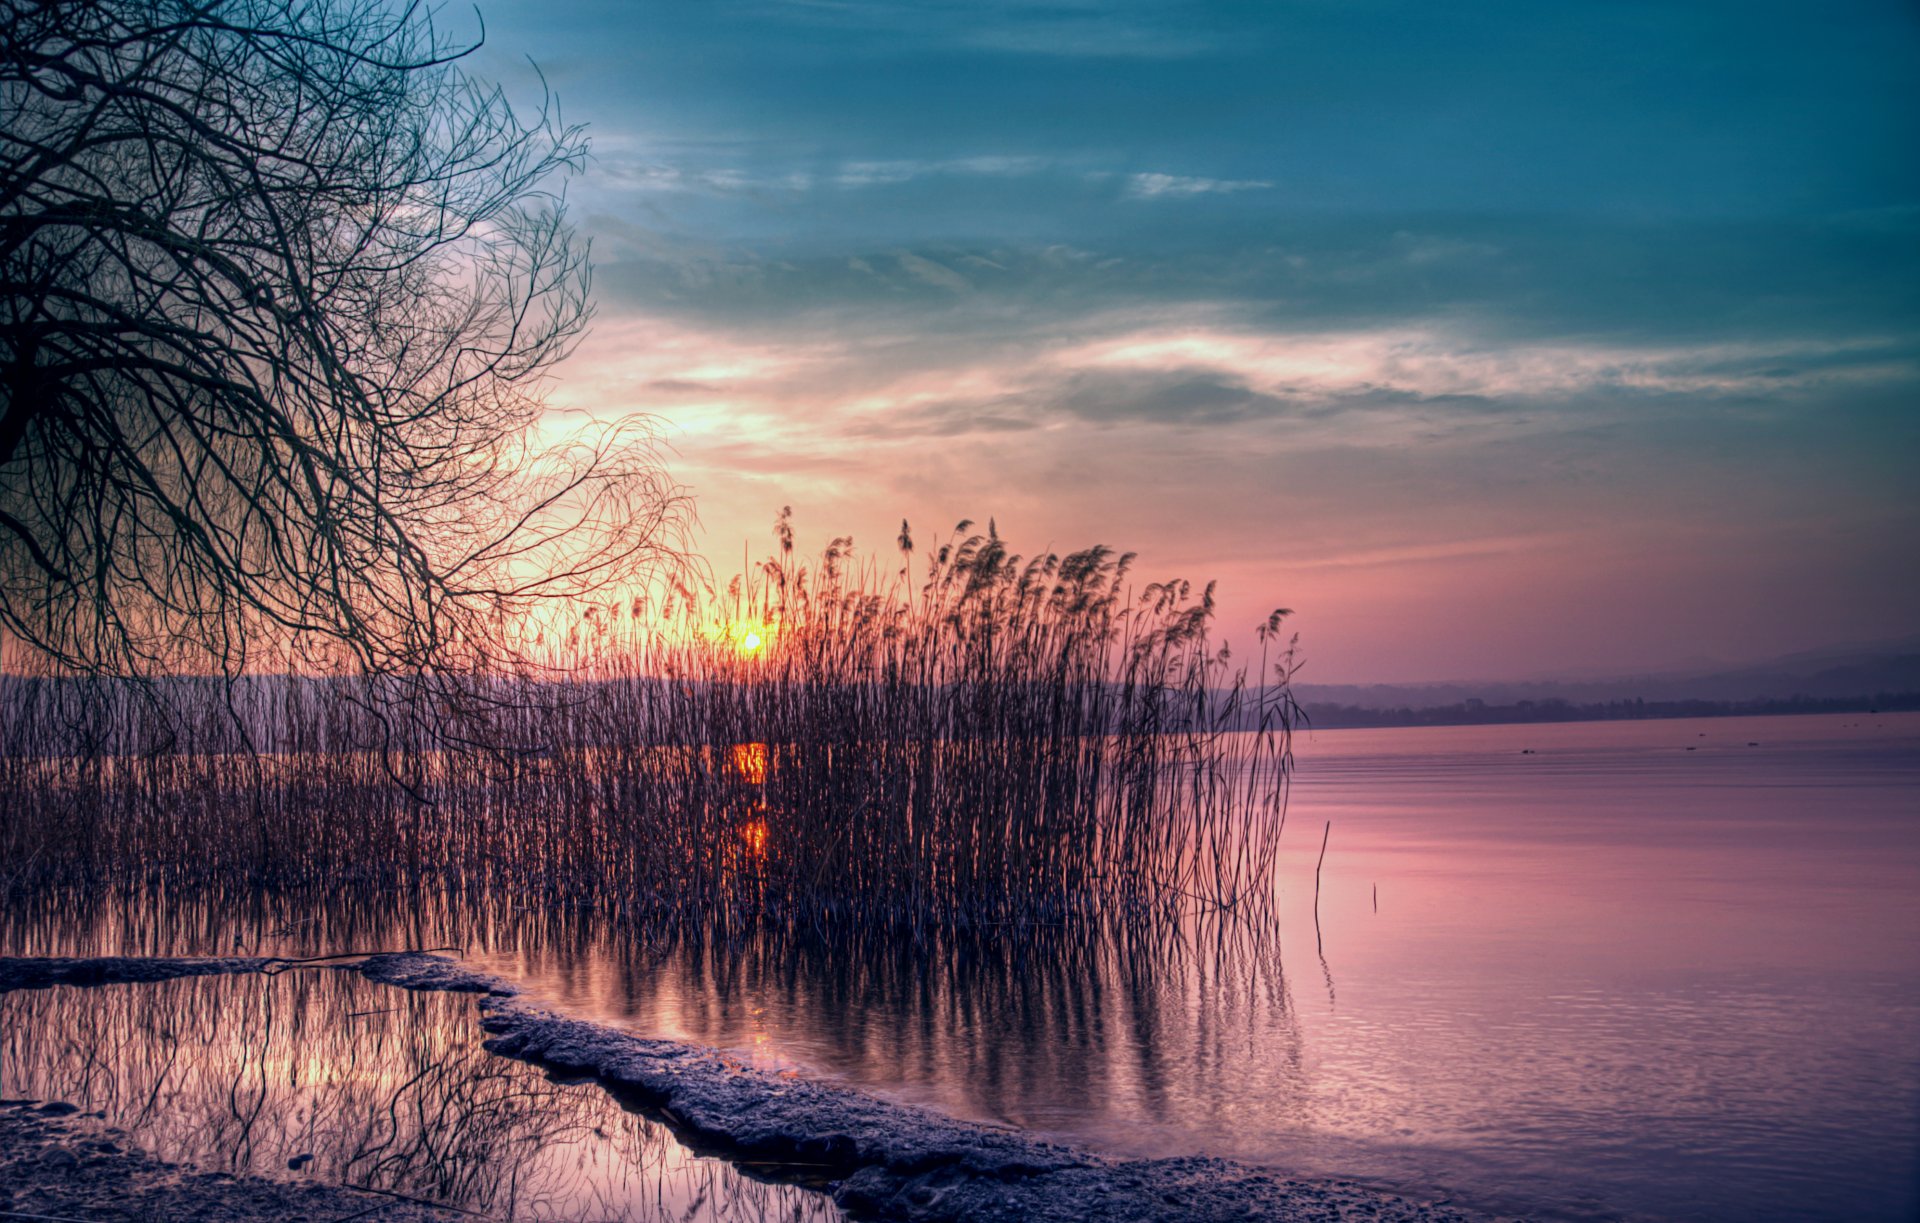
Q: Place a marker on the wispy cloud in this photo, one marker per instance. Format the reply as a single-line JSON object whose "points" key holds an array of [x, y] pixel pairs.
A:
{"points": [[658, 174], [1434, 363], [929, 272], [887, 173], [1058, 29], [1188, 368], [635, 173], [1152, 186]]}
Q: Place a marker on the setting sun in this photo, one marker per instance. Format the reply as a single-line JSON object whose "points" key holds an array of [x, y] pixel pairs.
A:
{"points": [[749, 637], [746, 638]]}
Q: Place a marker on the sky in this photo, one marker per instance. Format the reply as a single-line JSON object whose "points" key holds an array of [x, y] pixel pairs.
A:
{"points": [[1497, 340]]}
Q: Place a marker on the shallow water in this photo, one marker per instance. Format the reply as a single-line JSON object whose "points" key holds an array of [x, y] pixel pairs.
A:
{"points": [[365, 1085], [1658, 969]]}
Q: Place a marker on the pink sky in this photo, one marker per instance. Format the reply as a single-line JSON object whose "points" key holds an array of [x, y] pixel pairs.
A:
{"points": [[1566, 529], [1500, 340]]}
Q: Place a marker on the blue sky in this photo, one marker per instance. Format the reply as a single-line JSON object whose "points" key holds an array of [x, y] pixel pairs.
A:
{"points": [[1497, 339]]}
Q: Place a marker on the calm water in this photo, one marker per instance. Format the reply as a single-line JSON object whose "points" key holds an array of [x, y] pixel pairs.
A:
{"points": [[1644, 970], [373, 1086]]}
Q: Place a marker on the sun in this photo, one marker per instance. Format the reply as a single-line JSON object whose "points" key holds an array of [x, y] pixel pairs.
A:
{"points": [[749, 639], [743, 638]]}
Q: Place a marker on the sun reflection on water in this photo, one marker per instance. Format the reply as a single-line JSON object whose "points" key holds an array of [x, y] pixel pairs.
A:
{"points": [[749, 760]]}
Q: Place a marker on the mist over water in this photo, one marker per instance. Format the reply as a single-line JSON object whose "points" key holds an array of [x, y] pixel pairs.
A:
{"points": [[1659, 969]]}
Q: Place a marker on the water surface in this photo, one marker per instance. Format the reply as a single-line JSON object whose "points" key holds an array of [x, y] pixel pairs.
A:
{"points": [[1662, 969], [323, 1075]]}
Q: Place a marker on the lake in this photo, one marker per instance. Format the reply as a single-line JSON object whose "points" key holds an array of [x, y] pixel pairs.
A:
{"points": [[328, 1077], [1664, 969]]}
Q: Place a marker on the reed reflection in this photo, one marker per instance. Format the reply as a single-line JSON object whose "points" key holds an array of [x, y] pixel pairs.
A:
{"points": [[358, 1084], [1044, 1027]]}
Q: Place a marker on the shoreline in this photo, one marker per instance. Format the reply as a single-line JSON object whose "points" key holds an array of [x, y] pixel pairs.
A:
{"points": [[56, 1165], [876, 1158], [1554, 711]]}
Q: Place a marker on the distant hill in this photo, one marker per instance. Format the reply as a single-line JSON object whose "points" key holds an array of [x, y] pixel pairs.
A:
{"points": [[1857, 677], [1480, 713]]}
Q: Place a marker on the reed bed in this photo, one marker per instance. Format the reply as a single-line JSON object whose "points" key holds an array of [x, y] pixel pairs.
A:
{"points": [[1004, 742]]}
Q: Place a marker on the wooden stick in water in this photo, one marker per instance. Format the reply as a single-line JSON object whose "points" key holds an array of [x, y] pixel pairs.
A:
{"points": [[1318, 944], [1320, 863]]}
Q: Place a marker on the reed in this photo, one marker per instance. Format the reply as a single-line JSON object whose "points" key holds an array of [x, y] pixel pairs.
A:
{"points": [[1006, 742]]}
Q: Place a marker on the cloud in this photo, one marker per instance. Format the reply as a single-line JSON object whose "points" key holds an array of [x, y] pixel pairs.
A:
{"points": [[634, 173], [814, 382], [888, 173], [1177, 186], [1435, 363], [929, 272], [632, 170], [1529, 281], [1054, 29], [1189, 395]]}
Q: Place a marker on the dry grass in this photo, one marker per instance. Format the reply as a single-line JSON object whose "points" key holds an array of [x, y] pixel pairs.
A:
{"points": [[1011, 742]]}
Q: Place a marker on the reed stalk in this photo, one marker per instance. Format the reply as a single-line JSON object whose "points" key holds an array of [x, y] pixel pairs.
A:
{"points": [[1013, 742]]}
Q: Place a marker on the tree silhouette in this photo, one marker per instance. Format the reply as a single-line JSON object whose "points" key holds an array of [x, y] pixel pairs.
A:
{"points": [[280, 288]]}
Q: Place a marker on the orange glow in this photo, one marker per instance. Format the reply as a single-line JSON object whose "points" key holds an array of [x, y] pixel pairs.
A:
{"points": [[755, 834], [749, 638], [750, 761]]}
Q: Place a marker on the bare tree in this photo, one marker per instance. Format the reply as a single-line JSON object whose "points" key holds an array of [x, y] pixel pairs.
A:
{"points": [[280, 288]]}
